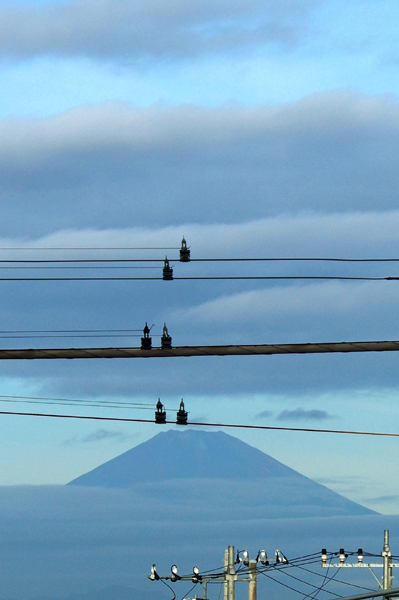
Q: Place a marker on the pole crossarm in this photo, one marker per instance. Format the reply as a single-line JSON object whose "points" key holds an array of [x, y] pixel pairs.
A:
{"points": [[187, 351], [356, 565]]}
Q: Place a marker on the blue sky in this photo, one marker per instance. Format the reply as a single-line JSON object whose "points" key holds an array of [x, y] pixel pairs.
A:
{"points": [[252, 128]]}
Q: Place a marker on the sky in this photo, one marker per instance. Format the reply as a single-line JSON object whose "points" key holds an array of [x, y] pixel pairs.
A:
{"points": [[254, 129]]}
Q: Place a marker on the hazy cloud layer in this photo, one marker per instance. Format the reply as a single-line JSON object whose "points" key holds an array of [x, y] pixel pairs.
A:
{"points": [[152, 29], [114, 166], [49, 533]]}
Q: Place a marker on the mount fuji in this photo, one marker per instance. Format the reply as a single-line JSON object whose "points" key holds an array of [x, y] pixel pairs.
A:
{"points": [[211, 474]]}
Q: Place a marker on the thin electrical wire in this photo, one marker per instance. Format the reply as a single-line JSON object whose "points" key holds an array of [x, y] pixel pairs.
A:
{"points": [[294, 259], [282, 584], [5, 331], [89, 335], [89, 267], [80, 260], [189, 591], [76, 400], [211, 278], [90, 405], [354, 585], [315, 587], [171, 589], [89, 248], [256, 259], [262, 427], [281, 567], [299, 429], [326, 581]]}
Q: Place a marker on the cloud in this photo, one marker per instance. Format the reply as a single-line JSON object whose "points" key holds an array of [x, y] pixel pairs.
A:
{"points": [[299, 414], [146, 30], [264, 414], [345, 480], [99, 436], [112, 166], [50, 532], [393, 499]]}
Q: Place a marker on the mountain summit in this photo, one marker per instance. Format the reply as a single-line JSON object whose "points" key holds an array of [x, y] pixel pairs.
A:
{"points": [[181, 465]]}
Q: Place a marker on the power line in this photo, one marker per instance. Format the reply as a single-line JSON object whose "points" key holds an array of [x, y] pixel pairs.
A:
{"points": [[6, 331], [179, 351], [80, 260], [71, 403], [75, 402], [233, 259], [289, 259], [71, 333], [90, 248], [66, 336], [211, 278], [194, 424], [88, 267]]}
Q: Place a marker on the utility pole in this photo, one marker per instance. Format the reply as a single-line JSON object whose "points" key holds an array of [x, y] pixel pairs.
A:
{"points": [[252, 580], [386, 564], [225, 572], [231, 575]]}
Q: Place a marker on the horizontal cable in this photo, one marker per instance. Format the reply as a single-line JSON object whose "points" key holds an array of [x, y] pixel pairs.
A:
{"points": [[68, 330], [4, 397], [77, 333], [192, 423], [92, 248], [73, 335], [47, 268], [288, 259], [81, 403], [161, 260], [179, 351], [82, 260], [211, 278]]}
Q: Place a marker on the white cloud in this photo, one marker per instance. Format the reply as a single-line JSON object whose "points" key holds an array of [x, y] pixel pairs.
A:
{"points": [[114, 166]]}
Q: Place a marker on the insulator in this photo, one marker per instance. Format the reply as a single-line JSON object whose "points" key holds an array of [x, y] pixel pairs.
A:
{"points": [[360, 555], [342, 556], [184, 251], [160, 413], [146, 341], [154, 575], [181, 416], [166, 339], [196, 576], [174, 576], [324, 555], [167, 273]]}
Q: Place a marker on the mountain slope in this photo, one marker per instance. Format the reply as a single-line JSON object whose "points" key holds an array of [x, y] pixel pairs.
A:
{"points": [[216, 472]]}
